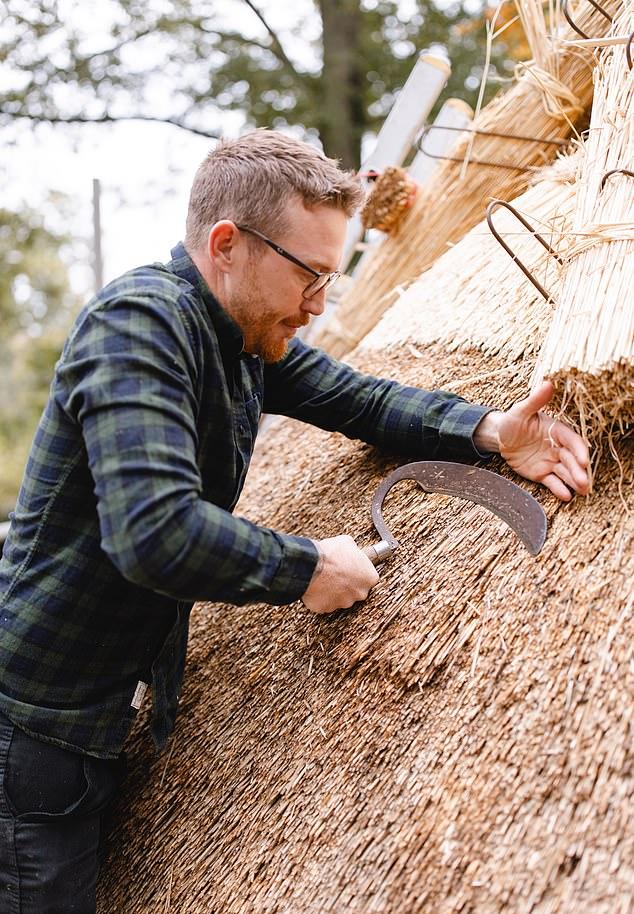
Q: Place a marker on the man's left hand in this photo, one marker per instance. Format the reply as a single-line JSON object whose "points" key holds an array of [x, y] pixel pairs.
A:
{"points": [[537, 446]]}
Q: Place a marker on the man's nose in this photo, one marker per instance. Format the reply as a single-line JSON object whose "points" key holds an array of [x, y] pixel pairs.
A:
{"points": [[316, 304]]}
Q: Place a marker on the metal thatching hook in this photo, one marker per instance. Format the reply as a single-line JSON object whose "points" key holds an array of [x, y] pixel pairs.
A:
{"points": [[616, 171], [573, 25], [493, 205], [474, 131], [628, 50]]}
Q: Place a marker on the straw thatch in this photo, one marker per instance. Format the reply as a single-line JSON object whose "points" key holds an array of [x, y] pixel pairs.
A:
{"points": [[392, 195], [475, 296], [461, 742], [550, 96], [589, 352]]}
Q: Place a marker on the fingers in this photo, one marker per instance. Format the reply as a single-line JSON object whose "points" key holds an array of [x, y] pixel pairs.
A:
{"points": [[570, 452], [562, 471], [560, 446], [344, 577], [557, 487], [535, 401], [559, 464], [568, 438], [566, 470], [577, 476]]}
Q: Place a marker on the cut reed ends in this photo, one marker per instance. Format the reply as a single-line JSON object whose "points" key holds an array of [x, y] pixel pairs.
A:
{"points": [[392, 195], [589, 350]]}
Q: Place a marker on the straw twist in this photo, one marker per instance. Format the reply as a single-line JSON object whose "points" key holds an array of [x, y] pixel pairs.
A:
{"points": [[559, 101]]}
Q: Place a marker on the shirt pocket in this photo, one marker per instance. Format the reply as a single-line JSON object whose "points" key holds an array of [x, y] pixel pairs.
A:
{"points": [[248, 424], [247, 418]]}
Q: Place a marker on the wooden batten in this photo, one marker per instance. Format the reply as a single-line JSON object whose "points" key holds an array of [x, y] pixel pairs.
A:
{"points": [[589, 351], [462, 741], [552, 94]]}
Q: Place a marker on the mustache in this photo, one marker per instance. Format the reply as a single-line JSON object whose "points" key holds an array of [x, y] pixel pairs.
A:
{"points": [[300, 321]]}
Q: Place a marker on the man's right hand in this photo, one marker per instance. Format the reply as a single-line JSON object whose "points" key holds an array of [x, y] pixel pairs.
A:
{"points": [[343, 576]]}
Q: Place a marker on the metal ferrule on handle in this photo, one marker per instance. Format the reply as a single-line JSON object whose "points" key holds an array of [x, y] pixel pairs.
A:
{"points": [[379, 552]]}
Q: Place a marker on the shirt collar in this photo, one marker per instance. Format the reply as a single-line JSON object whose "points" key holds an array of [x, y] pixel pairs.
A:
{"points": [[229, 333]]}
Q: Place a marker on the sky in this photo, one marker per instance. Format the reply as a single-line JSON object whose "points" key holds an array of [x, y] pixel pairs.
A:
{"points": [[145, 169]]}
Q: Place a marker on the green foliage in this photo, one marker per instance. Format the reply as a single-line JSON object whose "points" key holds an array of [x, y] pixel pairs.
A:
{"points": [[333, 68], [27, 370], [34, 286], [36, 306], [386, 46]]}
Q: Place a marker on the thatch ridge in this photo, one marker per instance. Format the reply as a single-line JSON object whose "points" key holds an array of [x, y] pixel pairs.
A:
{"points": [[589, 351], [495, 310], [446, 209]]}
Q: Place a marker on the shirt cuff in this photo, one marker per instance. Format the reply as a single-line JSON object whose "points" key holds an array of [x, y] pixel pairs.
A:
{"points": [[458, 427], [295, 571]]}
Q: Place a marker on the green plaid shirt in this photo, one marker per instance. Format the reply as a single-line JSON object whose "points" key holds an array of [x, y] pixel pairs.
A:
{"points": [[124, 516]]}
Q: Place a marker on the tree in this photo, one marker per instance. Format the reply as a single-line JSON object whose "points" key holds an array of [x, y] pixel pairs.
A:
{"points": [[332, 69], [34, 282], [36, 306]]}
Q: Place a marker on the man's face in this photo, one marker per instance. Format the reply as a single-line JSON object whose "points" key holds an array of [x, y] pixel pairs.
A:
{"points": [[266, 298]]}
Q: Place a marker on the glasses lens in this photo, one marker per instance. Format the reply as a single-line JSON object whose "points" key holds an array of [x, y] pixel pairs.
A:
{"points": [[318, 285]]}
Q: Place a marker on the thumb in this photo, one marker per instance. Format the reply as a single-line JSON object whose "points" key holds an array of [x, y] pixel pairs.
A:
{"points": [[536, 400]]}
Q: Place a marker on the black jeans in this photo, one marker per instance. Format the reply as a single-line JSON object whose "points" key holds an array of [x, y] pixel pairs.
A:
{"points": [[53, 810]]}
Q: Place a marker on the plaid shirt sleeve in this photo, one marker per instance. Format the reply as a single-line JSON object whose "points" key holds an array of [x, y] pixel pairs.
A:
{"points": [[311, 386], [128, 376]]}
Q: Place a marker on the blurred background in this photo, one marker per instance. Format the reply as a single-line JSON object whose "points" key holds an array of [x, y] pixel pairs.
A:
{"points": [[115, 103]]}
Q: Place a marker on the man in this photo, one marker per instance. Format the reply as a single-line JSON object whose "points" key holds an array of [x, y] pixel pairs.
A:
{"points": [[124, 516]]}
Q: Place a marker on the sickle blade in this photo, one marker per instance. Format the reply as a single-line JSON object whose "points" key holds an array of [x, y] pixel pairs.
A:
{"points": [[514, 505]]}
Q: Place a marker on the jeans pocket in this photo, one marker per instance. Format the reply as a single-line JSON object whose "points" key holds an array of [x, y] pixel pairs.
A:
{"points": [[42, 780]]}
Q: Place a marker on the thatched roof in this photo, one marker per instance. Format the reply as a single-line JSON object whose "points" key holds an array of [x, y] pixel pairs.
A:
{"points": [[552, 95], [462, 741], [589, 350]]}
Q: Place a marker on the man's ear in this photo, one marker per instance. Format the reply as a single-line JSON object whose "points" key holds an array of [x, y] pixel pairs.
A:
{"points": [[221, 245]]}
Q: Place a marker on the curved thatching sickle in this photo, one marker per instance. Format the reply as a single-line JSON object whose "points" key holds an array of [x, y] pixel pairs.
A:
{"points": [[510, 502]]}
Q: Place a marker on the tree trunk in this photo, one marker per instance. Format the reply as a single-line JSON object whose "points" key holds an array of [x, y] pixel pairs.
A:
{"points": [[343, 118]]}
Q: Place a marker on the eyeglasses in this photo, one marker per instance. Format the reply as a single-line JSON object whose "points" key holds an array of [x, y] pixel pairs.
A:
{"points": [[320, 282]]}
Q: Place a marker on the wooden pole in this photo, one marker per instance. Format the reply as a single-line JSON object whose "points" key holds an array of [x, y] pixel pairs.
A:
{"points": [[409, 112], [96, 229]]}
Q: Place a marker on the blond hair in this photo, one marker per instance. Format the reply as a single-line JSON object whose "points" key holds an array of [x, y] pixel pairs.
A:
{"points": [[251, 179]]}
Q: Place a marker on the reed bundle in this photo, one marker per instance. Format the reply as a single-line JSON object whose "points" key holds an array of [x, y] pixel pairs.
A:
{"points": [[550, 96], [589, 351], [508, 319], [392, 195], [460, 742]]}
